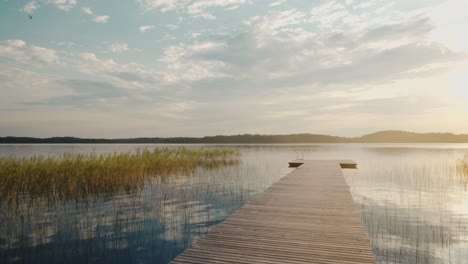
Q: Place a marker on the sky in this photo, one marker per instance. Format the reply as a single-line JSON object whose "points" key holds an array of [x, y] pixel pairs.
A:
{"points": [[163, 68]]}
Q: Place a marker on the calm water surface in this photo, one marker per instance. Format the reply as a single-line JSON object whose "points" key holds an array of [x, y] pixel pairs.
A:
{"points": [[412, 199]]}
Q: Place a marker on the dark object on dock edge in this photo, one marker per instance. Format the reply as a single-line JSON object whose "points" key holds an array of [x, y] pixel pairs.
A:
{"points": [[345, 164]]}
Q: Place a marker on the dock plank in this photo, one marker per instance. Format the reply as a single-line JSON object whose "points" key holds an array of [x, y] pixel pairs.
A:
{"points": [[308, 216]]}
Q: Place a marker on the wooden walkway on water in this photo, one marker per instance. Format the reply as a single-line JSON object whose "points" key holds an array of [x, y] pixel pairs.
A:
{"points": [[307, 217]]}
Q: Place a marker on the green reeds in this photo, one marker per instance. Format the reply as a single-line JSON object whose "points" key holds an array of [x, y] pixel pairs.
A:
{"points": [[79, 175], [461, 171], [462, 166]]}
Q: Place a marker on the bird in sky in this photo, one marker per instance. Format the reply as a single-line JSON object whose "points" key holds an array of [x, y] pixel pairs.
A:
{"points": [[30, 17]]}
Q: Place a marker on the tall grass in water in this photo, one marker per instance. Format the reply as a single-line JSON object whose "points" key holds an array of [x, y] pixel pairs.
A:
{"points": [[415, 209], [462, 166], [462, 170], [78, 175]]}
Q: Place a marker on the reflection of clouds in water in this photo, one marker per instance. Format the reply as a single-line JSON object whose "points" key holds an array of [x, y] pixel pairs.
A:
{"points": [[117, 244], [411, 206], [409, 235], [412, 200], [460, 208], [160, 220]]}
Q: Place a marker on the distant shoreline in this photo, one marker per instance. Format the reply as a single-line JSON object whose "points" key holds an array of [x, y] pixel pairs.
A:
{"points": [[388, 136]]}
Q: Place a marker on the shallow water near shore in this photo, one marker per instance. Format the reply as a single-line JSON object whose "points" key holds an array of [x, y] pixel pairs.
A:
{"points": [[412, 198]]}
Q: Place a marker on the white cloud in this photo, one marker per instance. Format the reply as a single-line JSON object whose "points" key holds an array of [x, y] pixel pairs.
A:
{"points": [[146, 28], [234, 7], [30, 7], [95, 18], [365, 5], [118, 47], [19, 51], [88, 56], [87, 10], [162, 5], [326, 8], [277, 3], [289, 63], [275, 21], [173, 108], [205, 15], [450, 20], [183, 67], [328, 13], [20, 85], [65, 5], [64, 43], [278, 52], [172, 27], [200, 6], [101, 19], [132, 76], [195, 8]]}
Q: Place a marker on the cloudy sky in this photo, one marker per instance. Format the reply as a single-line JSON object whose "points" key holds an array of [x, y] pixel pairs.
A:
{"points": [[130, 68]]}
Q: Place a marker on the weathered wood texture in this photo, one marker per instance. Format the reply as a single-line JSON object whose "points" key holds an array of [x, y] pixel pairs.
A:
{"points": [[307, 217]]}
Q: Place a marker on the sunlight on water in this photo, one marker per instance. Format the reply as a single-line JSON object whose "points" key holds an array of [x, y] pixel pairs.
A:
{"points": [[413, 204], [413, 201]]}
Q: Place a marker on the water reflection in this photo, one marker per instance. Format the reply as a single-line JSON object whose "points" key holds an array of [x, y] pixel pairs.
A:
{"points": [[413, 201], [412, 206], [151, 226]]}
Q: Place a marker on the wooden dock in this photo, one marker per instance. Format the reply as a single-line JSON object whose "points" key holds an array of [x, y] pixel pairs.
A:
{"points": [[307, 217]]}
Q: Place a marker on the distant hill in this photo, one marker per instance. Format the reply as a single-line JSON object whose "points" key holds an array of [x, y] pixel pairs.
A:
{"points": [[395, 136], [388, 136]]}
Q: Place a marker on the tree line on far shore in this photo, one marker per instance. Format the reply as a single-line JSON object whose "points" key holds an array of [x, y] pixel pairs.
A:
{"points": [[389, 136]]}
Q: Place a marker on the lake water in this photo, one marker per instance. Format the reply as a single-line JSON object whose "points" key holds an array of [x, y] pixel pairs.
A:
{"points": [[412, 198]]}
